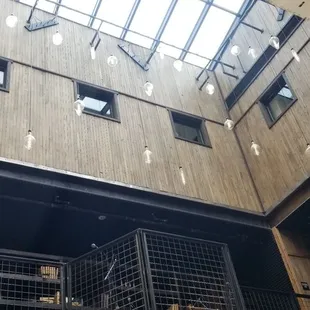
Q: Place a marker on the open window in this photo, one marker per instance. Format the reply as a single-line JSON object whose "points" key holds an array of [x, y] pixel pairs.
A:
{"points": [[5, 67], [189, 128], [277, 99], [98, 101]]}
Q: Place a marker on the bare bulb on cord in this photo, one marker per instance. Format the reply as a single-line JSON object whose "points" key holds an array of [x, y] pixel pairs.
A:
{"points": [[307, 151], [161, 52], [255, 148], [112, 61], [229, 124], [57, 38], [235, 50], [92, 53], [182, 175], [29, 140], [79, 106], [295, 55], [148, 88], [252, 52], [210, 89], [147, 155], [178, 65], [274, 42], [11, 21]]}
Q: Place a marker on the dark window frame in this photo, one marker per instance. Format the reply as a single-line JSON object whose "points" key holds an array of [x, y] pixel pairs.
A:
{"points": [[112, 100], [264, 105], [5, 65], [188, 119]]}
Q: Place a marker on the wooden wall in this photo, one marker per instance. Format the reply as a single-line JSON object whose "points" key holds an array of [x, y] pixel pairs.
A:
{"points": [[282, 165], [109, 150]]}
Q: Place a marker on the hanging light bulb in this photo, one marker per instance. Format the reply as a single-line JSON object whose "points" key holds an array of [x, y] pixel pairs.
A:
{"points": [[57, 38], [255, 148], [252, 52], [79, 106], [29, 141], [148, 87], [295, 55], [229, 124], [307, 151], [161, 52], [147, 155], [235, 50], [182, 175], [112, 61], [92, 53], [274, 42], [178, 65], [210, 89], [11, 21]]}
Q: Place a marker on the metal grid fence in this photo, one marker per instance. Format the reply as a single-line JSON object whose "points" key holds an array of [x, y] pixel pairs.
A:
{"points": [[29, 283]]}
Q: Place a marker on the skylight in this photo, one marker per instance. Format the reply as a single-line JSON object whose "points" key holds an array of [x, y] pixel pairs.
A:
{"points": [[200, 26]]}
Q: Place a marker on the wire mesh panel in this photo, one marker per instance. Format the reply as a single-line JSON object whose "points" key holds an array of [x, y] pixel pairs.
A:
{"points": [[109, 277], [259, 299], [29, 283], [188, 274]]}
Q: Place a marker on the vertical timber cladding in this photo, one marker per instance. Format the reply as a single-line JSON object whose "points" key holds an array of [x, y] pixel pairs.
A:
{"points": [[106, 149]]}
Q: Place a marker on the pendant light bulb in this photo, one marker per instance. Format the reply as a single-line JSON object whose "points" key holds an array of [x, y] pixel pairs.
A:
{"points": [[274, 42], [29, 141], [112, 61], [57, 38], [210, 89], [161, 52], [92, 53], [252, 52], [229, 124], [148, 87], [235, 50], [182, 175], [147, 155], [178, 65], [307, 151], [79, 106], [11, 21], [295, 55], [255, 148]]}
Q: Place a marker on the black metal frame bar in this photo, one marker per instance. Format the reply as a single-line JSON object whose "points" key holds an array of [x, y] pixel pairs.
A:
{"points": [[229, 74], [130, 18], [94, 13], [133, 56], [196, 28], [205, 81], [241, 65], [56, 10], [31, 12]]}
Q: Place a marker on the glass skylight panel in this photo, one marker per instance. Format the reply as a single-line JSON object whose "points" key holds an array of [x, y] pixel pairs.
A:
{"points": [[42, 5], [114, 11], [80, 5], [232, 5], [181, 24], [210, 35], [147, 21]]}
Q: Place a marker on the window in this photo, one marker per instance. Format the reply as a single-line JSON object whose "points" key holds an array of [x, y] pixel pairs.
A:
{"points": [[4, 74], [189, 128], [277, 99], [98, 101]]}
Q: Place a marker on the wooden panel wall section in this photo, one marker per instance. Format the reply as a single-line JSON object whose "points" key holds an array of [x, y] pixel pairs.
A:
{"points": [[296, 256], [113, 151]]}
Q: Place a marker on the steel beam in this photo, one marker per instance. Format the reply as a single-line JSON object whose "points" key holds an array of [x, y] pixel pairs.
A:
{"points": [[56, 10], [130, 18], [196, 29], [164, 23], [94, 13]]}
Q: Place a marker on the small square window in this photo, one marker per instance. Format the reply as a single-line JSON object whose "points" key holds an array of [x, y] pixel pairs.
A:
{"points": [[98, 101], [278, 98], [189, 128], [4, 74]]}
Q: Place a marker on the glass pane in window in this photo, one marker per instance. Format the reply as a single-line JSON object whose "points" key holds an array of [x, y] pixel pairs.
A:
{"points": [[80, 5], [181, 24], [188, 132], [211, 34], [93, 104], [147, 20], [116, 12], [232, 5], [42, 5]]}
